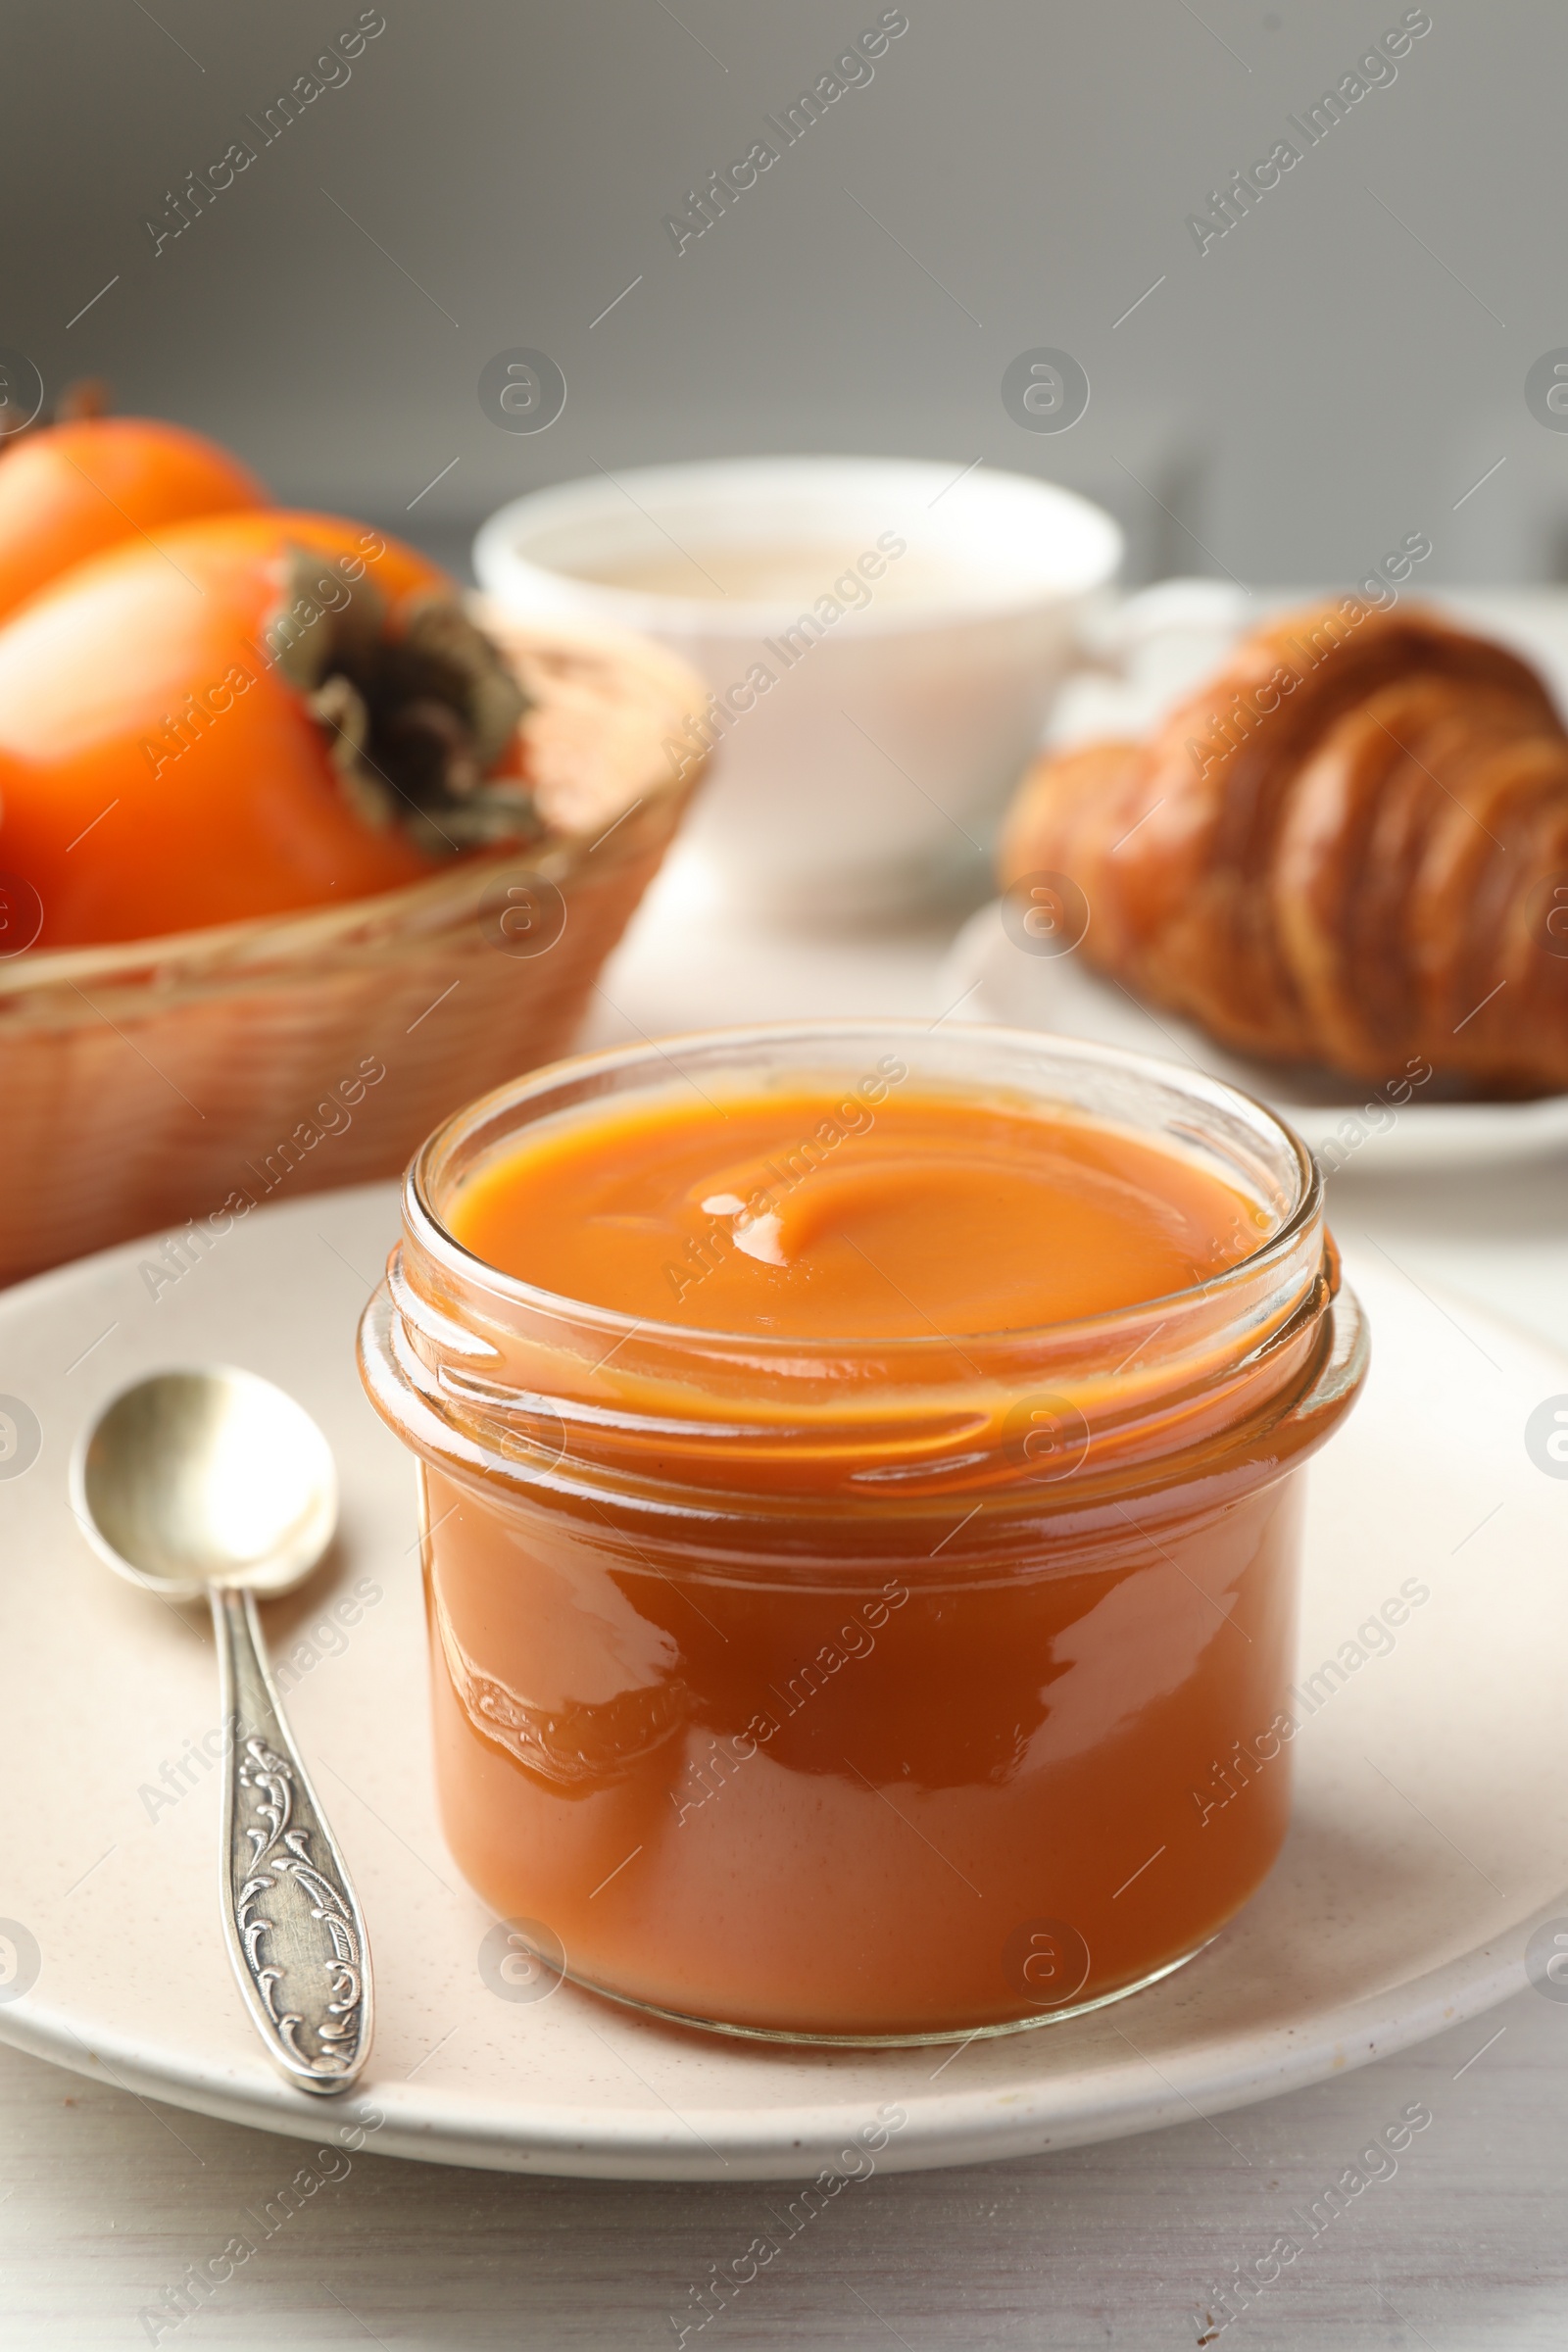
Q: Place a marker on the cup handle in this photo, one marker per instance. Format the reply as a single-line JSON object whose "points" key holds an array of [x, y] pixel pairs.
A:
{"points": [[294, 1929], [1169, 609]]}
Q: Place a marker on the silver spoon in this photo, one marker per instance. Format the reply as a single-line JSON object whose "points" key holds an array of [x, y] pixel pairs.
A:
{"points": [[215, 1481]]}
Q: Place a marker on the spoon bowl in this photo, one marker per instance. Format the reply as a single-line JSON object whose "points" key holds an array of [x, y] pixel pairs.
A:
{"points": [[202, 1478]]}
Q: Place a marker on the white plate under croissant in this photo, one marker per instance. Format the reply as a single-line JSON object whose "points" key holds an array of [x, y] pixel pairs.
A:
{"points": [[990, 979], [1319, 860]]}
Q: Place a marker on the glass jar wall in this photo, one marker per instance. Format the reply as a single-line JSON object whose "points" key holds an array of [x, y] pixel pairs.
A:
{"points": [[867, 1690]]}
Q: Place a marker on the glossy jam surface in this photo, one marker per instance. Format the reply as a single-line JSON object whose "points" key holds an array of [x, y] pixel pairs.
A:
{"points": [[818, 1213], [861, 1643]]}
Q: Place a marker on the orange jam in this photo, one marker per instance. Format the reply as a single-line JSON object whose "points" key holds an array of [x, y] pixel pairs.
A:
{"points": [[862, 1516], [824, 1216]]}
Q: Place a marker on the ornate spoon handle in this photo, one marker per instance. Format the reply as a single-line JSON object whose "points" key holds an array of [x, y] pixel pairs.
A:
{"points": [[295, 1931]]}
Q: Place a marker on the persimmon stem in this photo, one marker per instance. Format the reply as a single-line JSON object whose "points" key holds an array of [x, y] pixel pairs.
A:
{"points": [[418, 706]]}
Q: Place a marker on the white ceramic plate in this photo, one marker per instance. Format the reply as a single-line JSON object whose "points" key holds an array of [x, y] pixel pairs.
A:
{"points": [[988, 978], [1431, 1831]]}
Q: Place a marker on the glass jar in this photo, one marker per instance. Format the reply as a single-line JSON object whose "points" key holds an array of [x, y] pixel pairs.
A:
{"points": [[867, 1690]]}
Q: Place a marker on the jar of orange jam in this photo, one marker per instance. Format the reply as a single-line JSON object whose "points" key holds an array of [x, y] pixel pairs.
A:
{"points": [[859, 1470]]}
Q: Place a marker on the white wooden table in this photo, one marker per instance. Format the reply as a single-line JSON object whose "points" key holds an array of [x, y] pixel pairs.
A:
{"points": [[105, 2200]]}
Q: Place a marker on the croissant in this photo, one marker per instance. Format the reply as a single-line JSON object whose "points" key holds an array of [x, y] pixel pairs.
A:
{"points": [[1349, 849]]}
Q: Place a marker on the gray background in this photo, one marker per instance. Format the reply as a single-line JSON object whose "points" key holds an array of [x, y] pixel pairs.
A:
{"points": [[1286, 407]]}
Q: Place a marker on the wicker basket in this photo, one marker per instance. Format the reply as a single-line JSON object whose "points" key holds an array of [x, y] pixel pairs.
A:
{"points": [[157, 1082]]}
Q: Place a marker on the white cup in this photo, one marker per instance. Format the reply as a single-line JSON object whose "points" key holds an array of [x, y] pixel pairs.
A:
{"points": [[869, 731]]}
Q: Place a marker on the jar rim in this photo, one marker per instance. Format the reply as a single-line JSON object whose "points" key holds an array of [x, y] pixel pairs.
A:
{"points": [[424, 1224]]}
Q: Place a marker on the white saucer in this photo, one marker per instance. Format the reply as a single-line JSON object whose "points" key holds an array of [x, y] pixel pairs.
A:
{"points": [[987, 977], [1431, 1831]]}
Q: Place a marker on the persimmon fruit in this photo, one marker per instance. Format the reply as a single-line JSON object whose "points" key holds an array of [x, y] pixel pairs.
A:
{"points": [[69, 490], [256, 713]]}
